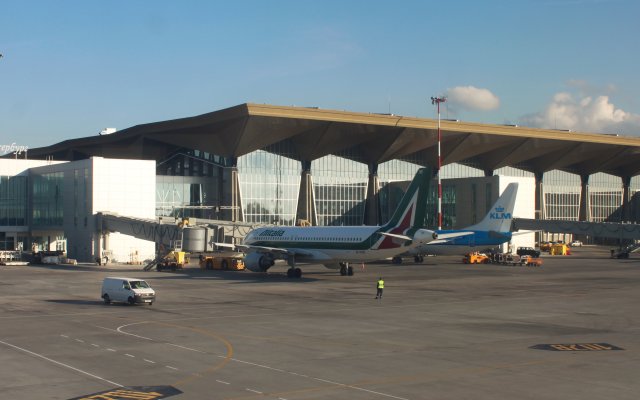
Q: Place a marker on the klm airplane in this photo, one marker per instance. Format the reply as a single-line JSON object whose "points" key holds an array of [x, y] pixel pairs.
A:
{"points": [[493, 230], [337, 246]]}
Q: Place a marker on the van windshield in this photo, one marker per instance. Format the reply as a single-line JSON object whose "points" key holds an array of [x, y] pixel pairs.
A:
{"points": [[139, 285]]}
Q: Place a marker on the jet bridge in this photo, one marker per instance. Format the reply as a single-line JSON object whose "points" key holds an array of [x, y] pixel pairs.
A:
{"points": [[195, 235], [593, 229]]}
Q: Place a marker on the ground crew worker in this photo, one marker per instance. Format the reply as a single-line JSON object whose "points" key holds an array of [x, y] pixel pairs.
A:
{"points": [[379, 288]]}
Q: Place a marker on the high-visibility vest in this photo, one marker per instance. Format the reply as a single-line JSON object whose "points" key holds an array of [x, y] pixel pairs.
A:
{"points": [[380, 284]]}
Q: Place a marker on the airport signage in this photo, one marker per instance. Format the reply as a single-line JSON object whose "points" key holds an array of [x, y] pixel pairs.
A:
{"points": [[135, 392], [577, 347], [13, 148]]}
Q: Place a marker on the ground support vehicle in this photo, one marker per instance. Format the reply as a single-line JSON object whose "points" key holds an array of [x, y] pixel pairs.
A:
{"points": [[529, 251], [173, 260], [223, 261], [476, 258], [507, 259], [126, 290], [531, 261], [560, 249]]}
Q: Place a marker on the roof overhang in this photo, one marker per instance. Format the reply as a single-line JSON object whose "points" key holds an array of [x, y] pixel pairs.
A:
{"points": [[311, 133]]}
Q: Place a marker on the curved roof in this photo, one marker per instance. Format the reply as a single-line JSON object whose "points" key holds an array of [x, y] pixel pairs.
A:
{"points": [[311, 133]]}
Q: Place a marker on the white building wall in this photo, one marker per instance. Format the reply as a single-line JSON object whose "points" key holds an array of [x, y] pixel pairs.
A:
{"points": [[126, 187], [13, 167]]}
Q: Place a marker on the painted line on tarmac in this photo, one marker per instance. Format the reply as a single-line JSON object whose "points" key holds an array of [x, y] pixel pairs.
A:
{"points": [[120, 330], [186, 348], [62, 364], [132, 334], [320, 379]]}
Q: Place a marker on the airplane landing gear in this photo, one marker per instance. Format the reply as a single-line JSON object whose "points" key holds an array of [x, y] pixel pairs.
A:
{"points": [[418, 259], [346, 269], [294, 273]]}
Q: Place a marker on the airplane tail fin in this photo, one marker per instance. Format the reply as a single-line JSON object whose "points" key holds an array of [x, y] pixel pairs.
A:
{"points": [[410, 214], [499, 217]]}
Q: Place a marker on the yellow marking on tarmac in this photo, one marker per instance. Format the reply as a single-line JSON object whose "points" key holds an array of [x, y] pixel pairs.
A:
{"points": [[205, 332]]}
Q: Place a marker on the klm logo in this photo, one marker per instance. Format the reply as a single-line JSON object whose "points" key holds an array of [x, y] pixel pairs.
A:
{"points": [[499, 213]]}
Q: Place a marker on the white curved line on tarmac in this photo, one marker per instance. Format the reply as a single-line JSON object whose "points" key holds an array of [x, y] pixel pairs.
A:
{"points": [[120, 330], [61, 364]]}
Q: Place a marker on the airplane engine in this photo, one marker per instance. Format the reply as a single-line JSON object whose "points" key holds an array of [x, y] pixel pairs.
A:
{"points": [[258, 262], [425, 235]]}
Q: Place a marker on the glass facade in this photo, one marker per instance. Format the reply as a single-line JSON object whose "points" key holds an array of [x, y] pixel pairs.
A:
{"points": [[47, 195], [394, 177], [188, 185], [269, 187], [605, 198], [81, 196], [340, 190], [6, 242], [186, 196], [13, 200]]}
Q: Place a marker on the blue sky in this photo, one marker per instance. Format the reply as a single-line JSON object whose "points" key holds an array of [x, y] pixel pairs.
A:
{"points": [[72, 68]]}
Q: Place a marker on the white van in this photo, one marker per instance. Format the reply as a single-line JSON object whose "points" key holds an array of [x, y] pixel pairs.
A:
{"points": [[129, 290]]}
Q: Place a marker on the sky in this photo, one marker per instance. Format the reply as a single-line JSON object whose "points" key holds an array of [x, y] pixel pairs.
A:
{"points": [[70, 69]]}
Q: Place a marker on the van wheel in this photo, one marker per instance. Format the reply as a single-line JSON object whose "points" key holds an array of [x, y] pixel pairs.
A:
{"points": [[106, 299], [131, 300]]}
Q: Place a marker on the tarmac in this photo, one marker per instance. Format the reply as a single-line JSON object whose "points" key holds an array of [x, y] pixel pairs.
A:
{"points": [[443, 330]]}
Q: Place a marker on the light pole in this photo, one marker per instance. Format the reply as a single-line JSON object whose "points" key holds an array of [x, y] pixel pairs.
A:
{"points": [[437, 101]]}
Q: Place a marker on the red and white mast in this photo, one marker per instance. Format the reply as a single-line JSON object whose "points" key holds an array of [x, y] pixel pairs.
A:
{"points": [[437, 101]]}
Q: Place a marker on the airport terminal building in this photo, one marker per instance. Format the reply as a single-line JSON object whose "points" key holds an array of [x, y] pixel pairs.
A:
{"points": [[264, 164]]}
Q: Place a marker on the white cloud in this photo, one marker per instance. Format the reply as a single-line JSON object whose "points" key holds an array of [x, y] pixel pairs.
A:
{"points": [[472, 98], [584, 113]]}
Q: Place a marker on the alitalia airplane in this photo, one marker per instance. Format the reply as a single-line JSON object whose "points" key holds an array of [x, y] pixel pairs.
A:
{"points": [[493, 230], [337, 246]]}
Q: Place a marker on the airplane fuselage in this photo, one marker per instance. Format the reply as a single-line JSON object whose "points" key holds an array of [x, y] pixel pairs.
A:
{"points": [[478, 240], [328, 243]]}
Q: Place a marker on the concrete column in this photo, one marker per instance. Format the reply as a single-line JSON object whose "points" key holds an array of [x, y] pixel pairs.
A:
{"points": [[306, 210], [584, 214], [539, 203], [372, 214], [539, 200], [626, 208]]}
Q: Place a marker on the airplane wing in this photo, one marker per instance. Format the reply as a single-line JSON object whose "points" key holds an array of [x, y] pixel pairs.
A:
{"points": [[229, 245], [446, 236], [396, 236]]}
